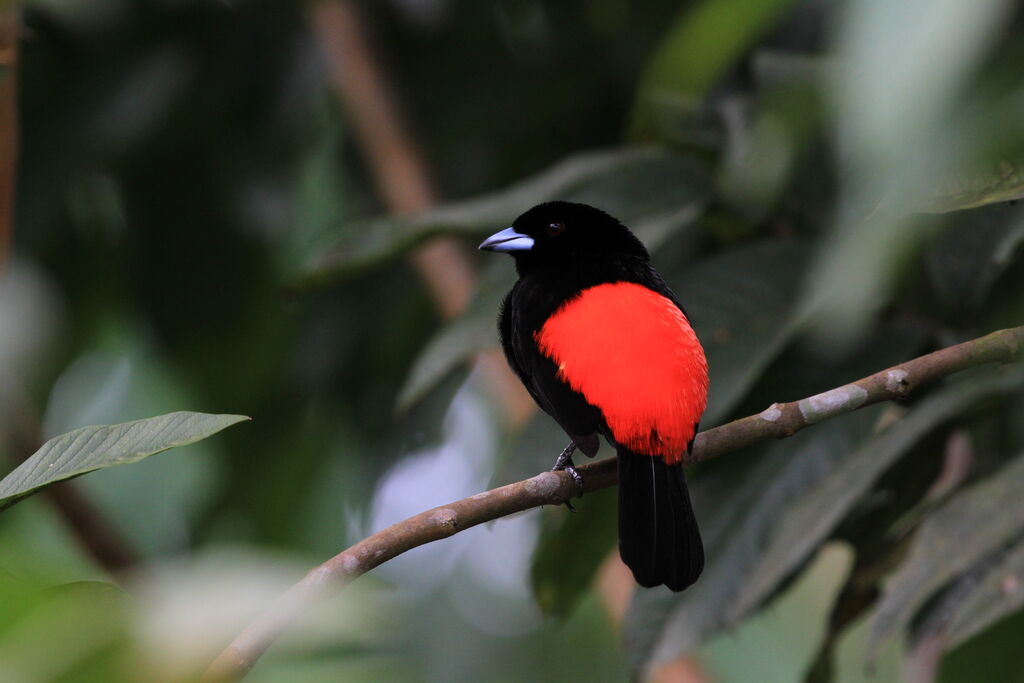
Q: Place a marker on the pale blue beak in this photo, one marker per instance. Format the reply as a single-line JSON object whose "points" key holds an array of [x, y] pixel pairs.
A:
{"points": [[507, 240]]}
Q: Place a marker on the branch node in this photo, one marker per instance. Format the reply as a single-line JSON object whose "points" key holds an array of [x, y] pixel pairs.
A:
{"points": [[897, 381], [772, 413], [447, 519]]}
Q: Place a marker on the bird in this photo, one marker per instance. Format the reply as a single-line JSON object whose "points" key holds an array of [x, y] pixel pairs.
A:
{"points": [[604, 347]]}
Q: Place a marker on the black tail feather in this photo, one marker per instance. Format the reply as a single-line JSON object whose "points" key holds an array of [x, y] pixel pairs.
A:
{"points": [[658, 535]]}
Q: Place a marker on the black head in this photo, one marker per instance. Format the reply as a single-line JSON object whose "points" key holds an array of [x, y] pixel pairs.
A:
{"points": [[559, 232]]}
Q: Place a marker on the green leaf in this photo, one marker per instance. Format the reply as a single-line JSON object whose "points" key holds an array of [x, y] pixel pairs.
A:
{"points": [[758, 169], [92, 448], [739, 303], [889, 153], [461, 339], [991, 657], [647, 188], [81, 627], [970, 254], [635, 184], [571, 549], [1003, 181], [806, 523], [773, 513], [452, 346], [983, 596], [704, 41], [973, 525]]}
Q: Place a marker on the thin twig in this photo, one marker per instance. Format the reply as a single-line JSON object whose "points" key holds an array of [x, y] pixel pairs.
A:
{"points": [[8, 122], [92, 529], [778, 421]]}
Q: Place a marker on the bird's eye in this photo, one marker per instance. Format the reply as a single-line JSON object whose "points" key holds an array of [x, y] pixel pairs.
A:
{"points": [[555, 229]]}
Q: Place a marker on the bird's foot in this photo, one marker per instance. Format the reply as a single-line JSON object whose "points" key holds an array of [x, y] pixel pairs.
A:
{"points": [[564, 462], [576, 477], [565, 457]]}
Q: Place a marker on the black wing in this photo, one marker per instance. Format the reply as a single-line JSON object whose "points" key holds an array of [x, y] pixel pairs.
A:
{"points": [[520, 317]]}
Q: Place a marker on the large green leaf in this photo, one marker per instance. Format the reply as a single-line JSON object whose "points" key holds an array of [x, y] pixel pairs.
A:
{"points": [[571, 549], [706, 39], [649, 189], [888, 53], [986, 598], [1002, 182], [993, 656], [760, 171], [461, 339], [972, 526], [452, 346], [779, 510], [977, 599], [740, 304], [93, 448], [626, 177], [808, 520], [81, 627], [970, 254]]}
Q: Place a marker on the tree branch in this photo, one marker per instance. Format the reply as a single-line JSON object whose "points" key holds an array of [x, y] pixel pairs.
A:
{"points": [[402, 178], [396, 161], [778, 421]]}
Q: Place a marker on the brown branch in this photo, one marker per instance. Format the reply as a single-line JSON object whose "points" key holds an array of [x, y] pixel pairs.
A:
{"points": [[92, 529], [401, 175], [778, 421], [396, 163], [8, 122]]}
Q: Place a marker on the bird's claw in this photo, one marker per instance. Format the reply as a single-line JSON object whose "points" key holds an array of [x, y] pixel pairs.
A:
{"points": [[576, 477], [565, 457], [564, 462]]}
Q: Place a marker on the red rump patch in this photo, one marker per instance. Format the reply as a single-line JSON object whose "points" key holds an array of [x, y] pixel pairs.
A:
{"points": [[632, 353]]}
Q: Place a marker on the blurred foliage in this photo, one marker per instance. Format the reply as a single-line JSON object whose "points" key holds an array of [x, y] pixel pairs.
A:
{"points": [[829, 186]]}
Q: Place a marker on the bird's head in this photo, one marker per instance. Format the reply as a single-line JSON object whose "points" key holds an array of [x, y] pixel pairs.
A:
{"points": [[560, 232]]}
